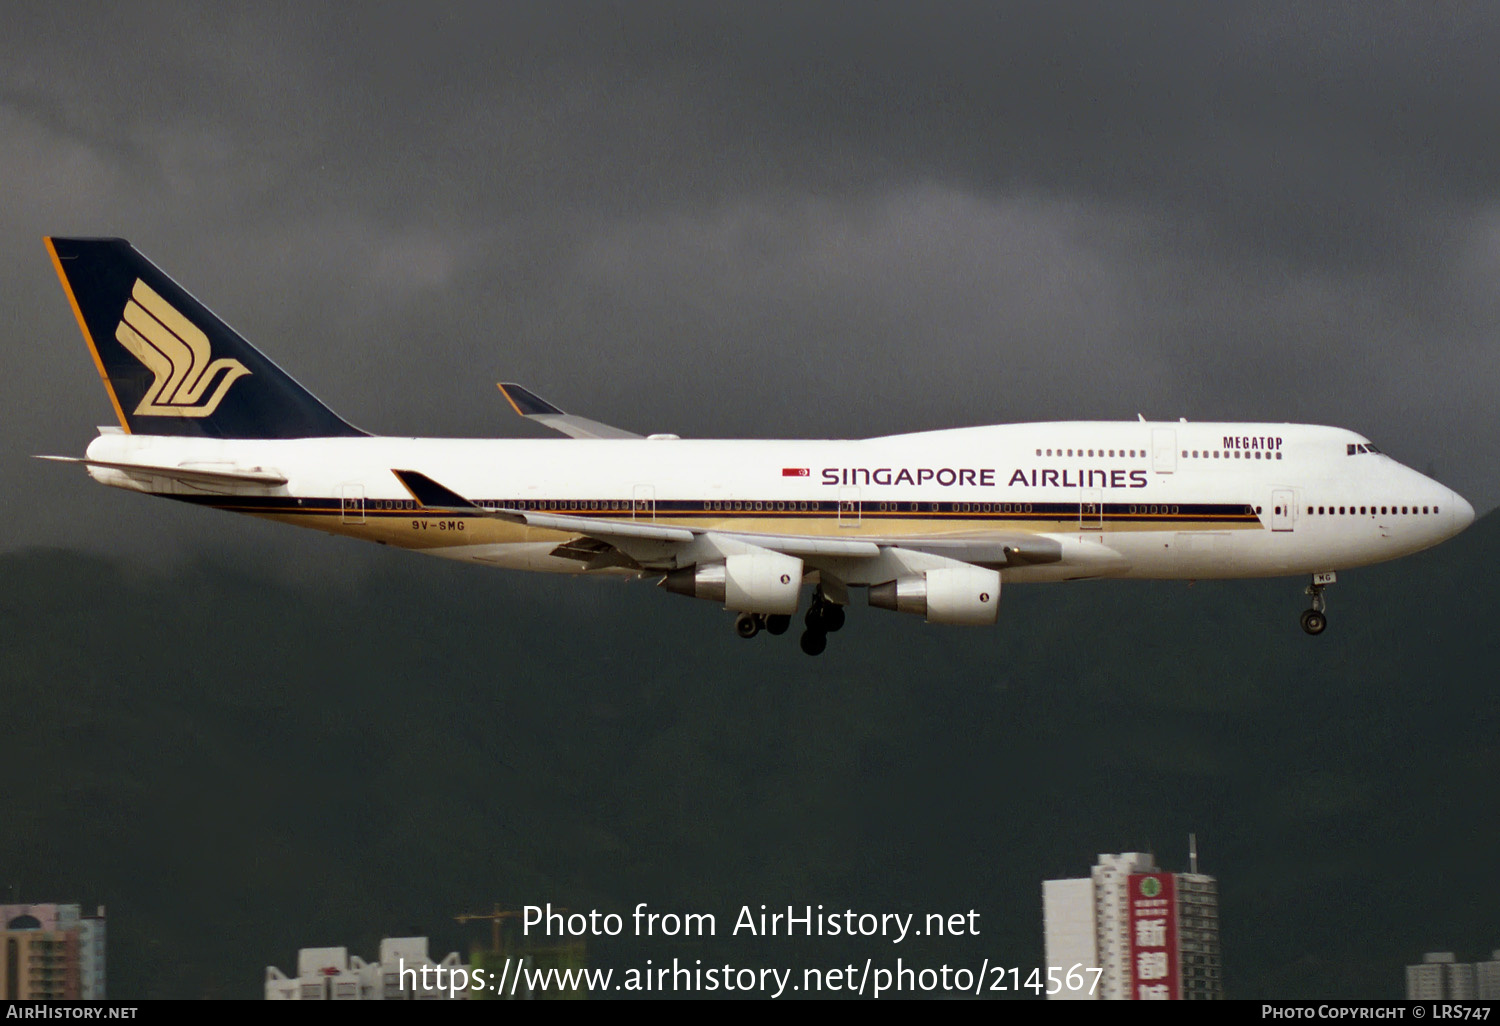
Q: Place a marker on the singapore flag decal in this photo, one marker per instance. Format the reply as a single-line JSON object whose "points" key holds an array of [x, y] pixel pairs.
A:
{"points": [[795, 472]]}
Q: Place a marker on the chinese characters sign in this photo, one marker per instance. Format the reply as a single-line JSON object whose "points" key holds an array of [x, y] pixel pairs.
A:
{"points": [[1154, 973]]}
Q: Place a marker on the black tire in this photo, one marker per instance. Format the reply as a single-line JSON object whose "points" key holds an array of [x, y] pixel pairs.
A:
{"points": [[1314, 622], [746, 626], [833, 617], [777, 623], [814, 642]]}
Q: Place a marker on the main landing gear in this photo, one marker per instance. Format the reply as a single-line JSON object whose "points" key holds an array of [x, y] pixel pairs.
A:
{"points": [[823, 618], [1315, 620], [748, 625]]}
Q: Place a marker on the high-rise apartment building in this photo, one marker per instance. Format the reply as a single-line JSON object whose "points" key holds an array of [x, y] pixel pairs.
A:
{"points": [[1442, 977], [1154, 934], [51, 952]]}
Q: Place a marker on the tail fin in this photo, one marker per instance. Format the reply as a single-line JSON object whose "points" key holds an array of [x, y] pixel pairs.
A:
{"points": [[170, 366]]}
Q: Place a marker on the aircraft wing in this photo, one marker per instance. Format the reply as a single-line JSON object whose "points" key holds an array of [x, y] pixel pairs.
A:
{"points": [[533, 407], [431, 495], [649, 545]]}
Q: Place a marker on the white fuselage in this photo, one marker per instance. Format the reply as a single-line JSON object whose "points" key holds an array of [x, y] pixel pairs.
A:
{"points": [[1112, 499]]}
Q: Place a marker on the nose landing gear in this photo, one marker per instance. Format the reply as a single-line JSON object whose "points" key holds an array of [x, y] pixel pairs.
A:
{"points": [[1315, 620]]}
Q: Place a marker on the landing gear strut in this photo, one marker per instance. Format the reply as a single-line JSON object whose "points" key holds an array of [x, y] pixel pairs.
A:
{"points": [[1315, 620]]}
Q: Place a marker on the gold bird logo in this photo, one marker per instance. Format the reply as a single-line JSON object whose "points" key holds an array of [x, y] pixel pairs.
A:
{"points": [[177, 353]]}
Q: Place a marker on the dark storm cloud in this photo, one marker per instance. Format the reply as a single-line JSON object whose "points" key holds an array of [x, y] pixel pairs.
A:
{"points": [[775, 219]]}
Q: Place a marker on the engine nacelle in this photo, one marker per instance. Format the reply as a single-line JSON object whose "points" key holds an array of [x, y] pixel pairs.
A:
{"points": [[755, 582], [967, 594]]}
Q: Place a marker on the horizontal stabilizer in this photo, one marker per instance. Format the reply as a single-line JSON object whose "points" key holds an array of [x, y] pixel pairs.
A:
{"points": [[533, 407], [194, 475]]}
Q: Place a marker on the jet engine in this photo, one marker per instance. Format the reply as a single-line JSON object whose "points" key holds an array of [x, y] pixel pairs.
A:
{"points": [[755, 582], [967, 594]]}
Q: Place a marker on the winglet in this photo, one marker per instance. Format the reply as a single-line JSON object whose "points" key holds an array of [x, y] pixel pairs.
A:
{"points": [[429, 494], [533, 407], [524, 401]]}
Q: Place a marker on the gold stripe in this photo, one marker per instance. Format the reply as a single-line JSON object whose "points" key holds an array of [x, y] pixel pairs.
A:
{"points": [[501, 387], [83, 326]]}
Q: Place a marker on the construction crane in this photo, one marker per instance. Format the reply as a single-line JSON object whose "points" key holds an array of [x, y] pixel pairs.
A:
{"points": [[496, 917]]}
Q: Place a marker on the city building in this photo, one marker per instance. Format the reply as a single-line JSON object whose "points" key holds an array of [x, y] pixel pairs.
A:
{"points": [[1154, 934], [1487, 978], [332, 974], [1442, 977], [51, 952]]}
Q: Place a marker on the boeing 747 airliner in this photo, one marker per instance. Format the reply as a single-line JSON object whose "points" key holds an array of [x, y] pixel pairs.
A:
{"points": [[930, 523]]}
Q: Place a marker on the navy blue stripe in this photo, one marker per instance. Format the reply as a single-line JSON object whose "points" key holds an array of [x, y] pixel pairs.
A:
{"points": [[1120, 512]]}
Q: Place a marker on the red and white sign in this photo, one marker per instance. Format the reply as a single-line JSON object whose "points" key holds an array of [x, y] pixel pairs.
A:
{"points": [[795, 472], [1154, 970]]}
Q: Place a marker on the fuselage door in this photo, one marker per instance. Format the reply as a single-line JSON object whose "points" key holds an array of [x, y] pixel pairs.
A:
{"points": [[1163, 450], [643, 503], [1283, 509], [1091, 510], [849, 507], [352, 504]]}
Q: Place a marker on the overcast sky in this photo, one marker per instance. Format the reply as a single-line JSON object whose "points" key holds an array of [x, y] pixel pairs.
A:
{"points": [[767, 220]]}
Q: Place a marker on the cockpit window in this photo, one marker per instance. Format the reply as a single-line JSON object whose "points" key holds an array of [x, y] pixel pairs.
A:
{"points": [[1355, 448]]}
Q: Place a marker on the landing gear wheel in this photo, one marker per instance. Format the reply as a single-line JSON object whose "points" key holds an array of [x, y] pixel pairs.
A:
{"points": [[824, 616], [833, 617], [814, 642], [1314, 622], [747, 625], [778, 623]]}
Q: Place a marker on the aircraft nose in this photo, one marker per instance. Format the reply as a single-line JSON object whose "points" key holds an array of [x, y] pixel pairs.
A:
{"points": [[1460, 513]]}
